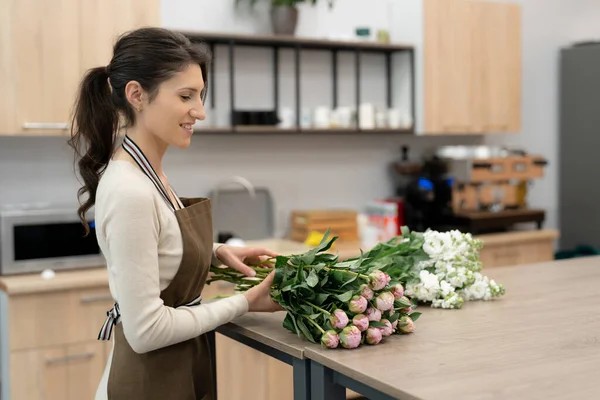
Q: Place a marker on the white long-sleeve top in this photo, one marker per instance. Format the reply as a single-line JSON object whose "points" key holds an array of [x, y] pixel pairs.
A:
{"points": [[141, 240]]}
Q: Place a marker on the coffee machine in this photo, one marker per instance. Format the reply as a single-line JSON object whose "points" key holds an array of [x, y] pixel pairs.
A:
{"points": [[473, 189]]}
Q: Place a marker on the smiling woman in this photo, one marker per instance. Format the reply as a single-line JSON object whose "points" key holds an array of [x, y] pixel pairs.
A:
{"points": [[158, 247]]}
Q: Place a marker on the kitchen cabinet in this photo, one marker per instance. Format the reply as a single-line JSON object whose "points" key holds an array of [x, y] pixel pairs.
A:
{"points": [[45, 49], [468, 69], [51, 342]]}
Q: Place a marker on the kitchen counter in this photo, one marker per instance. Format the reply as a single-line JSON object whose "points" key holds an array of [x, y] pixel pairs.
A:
{"points": [[95, 277], [63, 280], [531, 343]]}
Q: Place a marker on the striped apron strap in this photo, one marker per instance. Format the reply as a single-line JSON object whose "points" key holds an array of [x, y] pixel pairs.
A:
{"points": [[136, 153]]}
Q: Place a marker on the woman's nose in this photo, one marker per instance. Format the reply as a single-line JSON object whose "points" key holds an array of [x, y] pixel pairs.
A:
{"points": [[198, 113]]}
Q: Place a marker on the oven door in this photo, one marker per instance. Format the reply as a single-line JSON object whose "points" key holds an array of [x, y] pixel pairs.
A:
{"points": [[34, 240]]}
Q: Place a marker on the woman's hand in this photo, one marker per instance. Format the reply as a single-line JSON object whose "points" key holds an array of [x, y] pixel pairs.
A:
{"points": [[237, 257], [259, 297]]}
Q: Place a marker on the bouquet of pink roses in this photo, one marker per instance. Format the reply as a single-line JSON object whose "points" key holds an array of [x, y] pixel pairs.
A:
{"points": [[335, 303]]}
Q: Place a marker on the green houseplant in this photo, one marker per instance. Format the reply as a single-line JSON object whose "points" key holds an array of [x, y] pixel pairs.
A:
{"points": [[284, 14]]}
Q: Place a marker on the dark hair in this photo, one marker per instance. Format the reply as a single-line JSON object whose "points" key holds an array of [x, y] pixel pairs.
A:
{"points": [[147, 55]]}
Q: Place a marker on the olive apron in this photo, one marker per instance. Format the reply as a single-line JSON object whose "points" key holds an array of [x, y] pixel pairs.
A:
{"points": [[182, 371]]}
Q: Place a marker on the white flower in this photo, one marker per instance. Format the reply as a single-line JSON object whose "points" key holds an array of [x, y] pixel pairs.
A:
{"points": [[478, 290], [446, 288]]}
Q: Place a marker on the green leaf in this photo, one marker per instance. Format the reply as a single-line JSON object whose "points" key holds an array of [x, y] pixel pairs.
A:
{"points": [[345, 297], [376, 324], [352, 279], [324, 280], [312, 279], [394, 317], [415, 316], [321, 297], [405, 231], [288, 323], [401, 303], [305, 331]]}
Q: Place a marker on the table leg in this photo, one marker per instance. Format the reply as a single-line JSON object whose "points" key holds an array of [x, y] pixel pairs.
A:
{"points": [[213, 358], [323, 386], [301, 379]]}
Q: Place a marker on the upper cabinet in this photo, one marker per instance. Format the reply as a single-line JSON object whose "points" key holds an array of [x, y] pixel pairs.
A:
{"points": [[470, 63], [45, 48]]}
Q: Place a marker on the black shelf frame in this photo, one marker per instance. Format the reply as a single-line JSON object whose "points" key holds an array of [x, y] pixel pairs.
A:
{"points": [[297, 45]]}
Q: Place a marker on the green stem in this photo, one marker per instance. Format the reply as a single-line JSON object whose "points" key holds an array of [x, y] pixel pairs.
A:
{"points": [[315, 324], [317, 307]]}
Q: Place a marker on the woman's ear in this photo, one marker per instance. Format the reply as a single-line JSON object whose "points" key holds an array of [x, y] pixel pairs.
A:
{"points": [[135, 94]]}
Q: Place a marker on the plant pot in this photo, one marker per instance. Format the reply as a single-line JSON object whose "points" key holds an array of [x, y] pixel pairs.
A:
{"points": [[284, 19]]}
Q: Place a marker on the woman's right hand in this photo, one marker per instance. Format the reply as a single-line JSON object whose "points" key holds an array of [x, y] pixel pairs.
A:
{"points": [[259, 297]]}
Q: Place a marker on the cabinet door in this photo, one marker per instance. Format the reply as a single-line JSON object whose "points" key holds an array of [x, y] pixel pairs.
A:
{"points": [[448, 31], [44, 65], [103, 21], [40, 374], [86, 363], [498, 63]]}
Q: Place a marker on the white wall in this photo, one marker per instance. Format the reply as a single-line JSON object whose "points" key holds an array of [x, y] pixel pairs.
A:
{"points": [[314, 171]]}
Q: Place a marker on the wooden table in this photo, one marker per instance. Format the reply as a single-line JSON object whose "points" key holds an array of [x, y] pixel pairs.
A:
{"points": [[265, 333], [540, 341]]}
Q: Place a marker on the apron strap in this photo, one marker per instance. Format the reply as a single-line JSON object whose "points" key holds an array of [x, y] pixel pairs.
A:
{"points": [[138, 156], [113, 317]]}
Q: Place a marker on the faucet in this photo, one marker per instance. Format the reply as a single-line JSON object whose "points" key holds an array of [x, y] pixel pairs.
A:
{"points": [[234, 179]]}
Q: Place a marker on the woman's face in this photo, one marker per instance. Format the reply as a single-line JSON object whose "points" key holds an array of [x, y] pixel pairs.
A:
{"points": [[176, 107]]}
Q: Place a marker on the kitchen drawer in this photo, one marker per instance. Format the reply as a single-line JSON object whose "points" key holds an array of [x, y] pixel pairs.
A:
{"points": [[57, 318]]}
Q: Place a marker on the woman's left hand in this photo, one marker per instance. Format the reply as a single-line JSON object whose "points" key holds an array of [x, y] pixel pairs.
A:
{"points": [[237, 257]]}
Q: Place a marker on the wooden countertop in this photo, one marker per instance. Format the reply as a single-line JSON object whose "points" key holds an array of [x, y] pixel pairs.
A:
{"points": [[63, 280], [540, 341]]}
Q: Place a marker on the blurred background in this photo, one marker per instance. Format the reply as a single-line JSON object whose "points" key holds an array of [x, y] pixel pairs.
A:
{"points": [[358, 116]]}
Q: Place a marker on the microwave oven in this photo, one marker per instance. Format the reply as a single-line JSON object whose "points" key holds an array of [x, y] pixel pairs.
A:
{"points": [[34, 238]]}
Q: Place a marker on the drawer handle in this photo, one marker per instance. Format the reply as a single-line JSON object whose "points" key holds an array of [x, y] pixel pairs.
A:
{"points": [[46, 125], [72, 357], [540, 162], [482, 165], [96, 299]]}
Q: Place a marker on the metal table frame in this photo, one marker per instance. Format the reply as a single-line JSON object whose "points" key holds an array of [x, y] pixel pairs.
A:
{"points": [[301, 366], [312, 380]]}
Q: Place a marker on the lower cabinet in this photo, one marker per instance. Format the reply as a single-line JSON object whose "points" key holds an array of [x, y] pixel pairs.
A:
{"points": [[69, 372]]}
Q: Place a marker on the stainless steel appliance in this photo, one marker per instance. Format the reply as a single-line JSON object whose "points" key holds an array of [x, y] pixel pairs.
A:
{"points": [[34, 238]]}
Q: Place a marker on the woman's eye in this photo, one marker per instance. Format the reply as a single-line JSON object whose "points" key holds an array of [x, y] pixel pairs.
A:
{"points": [[185, 97]]}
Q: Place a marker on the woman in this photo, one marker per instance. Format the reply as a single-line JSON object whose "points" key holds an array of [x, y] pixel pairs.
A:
{"points": [[158, 247]]}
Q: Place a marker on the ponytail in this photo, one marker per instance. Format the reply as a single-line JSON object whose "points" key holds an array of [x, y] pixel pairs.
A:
{"points": [[93, 129]]}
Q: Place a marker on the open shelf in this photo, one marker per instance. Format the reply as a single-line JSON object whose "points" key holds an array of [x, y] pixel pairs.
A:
{"points": [[294, 41], [275, 43], [269, 130]]}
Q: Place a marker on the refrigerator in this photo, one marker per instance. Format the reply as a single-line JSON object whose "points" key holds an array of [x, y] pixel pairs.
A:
{"points": [[579, 146]]}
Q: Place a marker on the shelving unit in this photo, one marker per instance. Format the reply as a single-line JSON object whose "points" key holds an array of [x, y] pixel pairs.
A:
{"points": [[298, 44]]}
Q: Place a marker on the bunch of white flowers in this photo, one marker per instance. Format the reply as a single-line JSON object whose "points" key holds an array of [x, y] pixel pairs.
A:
{"points": [[451, 274]]}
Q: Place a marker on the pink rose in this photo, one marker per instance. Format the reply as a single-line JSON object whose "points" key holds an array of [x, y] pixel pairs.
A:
{"points": [[378, 280], [374, 336], [357, 304], [338, 319], [388, 330], [366, 291], [373, 314], [385, 301], [406, 325], [361, 322], [330, 339], [398, 291], [350, 337]]}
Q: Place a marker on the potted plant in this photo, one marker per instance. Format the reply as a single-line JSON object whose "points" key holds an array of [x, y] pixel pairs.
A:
{"points": [[284, 14]]}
